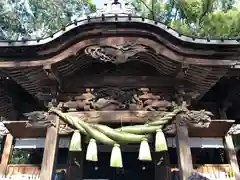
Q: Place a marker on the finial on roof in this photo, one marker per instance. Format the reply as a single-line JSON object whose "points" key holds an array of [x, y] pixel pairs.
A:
{"points": [[115, 2], [113, 7]]}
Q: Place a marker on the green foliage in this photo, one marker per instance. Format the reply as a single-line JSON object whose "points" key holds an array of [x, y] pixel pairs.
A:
{"points": [[221, 24], [19, 156], [201, 18], [32, 19]]}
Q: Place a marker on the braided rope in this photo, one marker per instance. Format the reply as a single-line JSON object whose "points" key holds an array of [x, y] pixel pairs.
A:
{"points": [[78, 124]]}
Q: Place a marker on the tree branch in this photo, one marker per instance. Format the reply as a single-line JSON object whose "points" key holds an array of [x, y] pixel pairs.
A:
{"points": [[151, 10]]}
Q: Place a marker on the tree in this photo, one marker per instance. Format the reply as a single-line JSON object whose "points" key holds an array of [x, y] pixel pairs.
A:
{"points": [[31, 19], [201, 18]]}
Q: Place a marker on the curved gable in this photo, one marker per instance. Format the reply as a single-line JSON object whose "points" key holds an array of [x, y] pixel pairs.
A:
{"points": [[120, 39]]}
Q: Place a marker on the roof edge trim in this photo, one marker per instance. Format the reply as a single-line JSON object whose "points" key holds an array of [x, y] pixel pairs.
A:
{"points": [[122, 19]]}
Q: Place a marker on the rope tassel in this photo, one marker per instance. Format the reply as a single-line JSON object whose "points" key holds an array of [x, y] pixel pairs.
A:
{"points": [[144, 151], [76, 143], [160, 141], [92, 154], [116, 157]]}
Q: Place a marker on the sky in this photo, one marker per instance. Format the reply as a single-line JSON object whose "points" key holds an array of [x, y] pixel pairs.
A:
{"points": [[99, 3]]}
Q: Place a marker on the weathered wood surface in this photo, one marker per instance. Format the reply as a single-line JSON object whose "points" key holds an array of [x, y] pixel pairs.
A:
{"points": [[217, 128], [119, 81], [116, 116], [229, 146], [19, 129], [50, 151], [160, 49], [183, 151], [7, 152]]}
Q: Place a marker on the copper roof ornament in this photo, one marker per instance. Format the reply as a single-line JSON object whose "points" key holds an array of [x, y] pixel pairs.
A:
{"points": [[113, 7]]}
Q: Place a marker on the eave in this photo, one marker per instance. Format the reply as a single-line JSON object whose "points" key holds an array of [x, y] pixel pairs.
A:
{"points": [[207, 60], [123, 26]]}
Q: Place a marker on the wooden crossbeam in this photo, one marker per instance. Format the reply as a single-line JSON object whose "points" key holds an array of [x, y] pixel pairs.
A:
{"points": [[120, 81], [217, 128]]}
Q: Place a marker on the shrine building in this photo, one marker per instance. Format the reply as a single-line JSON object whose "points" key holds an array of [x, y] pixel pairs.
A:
{"points": [[115, 80]]}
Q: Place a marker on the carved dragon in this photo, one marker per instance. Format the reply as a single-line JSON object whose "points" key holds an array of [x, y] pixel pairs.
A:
{"points": [[115, 53], [200, 118], [118, 99]]}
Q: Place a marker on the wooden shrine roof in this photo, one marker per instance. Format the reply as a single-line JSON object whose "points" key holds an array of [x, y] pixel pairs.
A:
{"points": [[126, 25], [38, 65], [194, 51]]}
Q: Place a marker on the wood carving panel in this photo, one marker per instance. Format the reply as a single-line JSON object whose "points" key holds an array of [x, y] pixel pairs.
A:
{"points": [[102, 99], [116, 53]]}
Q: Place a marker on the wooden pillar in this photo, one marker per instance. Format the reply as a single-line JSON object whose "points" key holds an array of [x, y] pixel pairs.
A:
{"points": [[229, 146], [48, 167], [162, 170], [75, 165], [7, 152], [184, 152]]}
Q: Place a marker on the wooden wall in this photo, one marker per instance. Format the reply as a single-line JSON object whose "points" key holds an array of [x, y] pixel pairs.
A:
{"points": [[213, 169]]}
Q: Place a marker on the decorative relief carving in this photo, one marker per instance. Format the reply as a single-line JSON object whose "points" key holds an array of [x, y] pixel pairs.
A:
{"points": [[115, 53], [3, 129], [116, 7], [234, 130], [117, 99]]}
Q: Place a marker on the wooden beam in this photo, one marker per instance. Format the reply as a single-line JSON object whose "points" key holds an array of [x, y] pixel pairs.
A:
{"points": [[50, 151], [19, 129], [7, 152], [217, 128], [185, 164], [115, 116], [119, 81], [232, 157]]}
